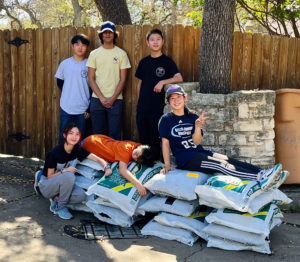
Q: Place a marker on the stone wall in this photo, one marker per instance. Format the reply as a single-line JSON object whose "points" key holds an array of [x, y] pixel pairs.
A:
{"points": [[241, 124]]}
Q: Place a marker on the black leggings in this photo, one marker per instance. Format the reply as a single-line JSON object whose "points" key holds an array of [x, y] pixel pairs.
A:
{"points": [[223, 164]]}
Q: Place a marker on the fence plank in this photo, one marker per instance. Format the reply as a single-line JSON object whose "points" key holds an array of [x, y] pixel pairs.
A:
{"points": [[283, 56], [236, 60], [22, 91], [274, 62], [55, 57], [168, 39], [7, 80], [266, 62], [246, 63], [186, 57], [2, 95], [177, 49], [255, 73], [48, 88], [298, 65], [197, 35], [291, 64], [128, 32], [30, 99], [40, 113]]}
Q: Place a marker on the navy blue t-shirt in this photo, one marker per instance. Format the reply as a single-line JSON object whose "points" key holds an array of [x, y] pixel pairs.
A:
{"points": [[152, 70], [58, 158], [179, 131]]}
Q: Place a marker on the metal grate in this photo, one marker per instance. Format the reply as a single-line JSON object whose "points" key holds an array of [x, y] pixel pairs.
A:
{"points": [[97, 230]]}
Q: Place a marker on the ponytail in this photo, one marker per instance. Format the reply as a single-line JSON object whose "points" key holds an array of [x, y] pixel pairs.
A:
{"points": [[188, 112]]}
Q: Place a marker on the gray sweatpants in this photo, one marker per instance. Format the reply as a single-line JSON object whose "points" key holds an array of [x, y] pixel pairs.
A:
{"points": [[64, 186]]}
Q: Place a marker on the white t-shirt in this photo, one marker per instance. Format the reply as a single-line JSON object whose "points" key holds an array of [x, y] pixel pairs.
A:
{"points": [[108, 63], [75, 96]]}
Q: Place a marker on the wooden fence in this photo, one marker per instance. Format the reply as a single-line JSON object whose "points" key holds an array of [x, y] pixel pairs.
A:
{"points": [[29, 97]]}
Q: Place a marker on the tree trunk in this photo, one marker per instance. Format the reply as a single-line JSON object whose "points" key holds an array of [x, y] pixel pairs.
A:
{"points": [[115, 11], [215, 56], [77, 13]]}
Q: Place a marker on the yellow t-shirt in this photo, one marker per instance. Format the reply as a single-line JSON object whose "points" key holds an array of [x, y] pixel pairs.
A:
{"points": [[108, 63]]}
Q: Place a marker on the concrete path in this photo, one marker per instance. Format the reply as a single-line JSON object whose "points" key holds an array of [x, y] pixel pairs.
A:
{"points": [[29, 232]]}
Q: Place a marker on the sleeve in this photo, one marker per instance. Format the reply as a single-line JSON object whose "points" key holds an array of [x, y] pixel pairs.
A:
{"points": [[163, 128], [60, 71], [139, 71], [172, 68], [50, 161], [82, 154], [124, 63], [60, 83], [91, 62]]}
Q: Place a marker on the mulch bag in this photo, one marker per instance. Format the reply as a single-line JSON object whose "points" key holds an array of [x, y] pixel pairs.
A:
{"points": [[88, 172], [91, 164], [82, 206], [195, 223], [259, 223], [236, 246], [170, 205], [223, 191], [119, 191], [84, 182], [274, 196], [177, 183], [236, 235], [111, 215], [153, 228]]}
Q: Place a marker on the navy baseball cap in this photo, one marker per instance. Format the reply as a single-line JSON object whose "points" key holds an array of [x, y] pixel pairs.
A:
{"points": [[107, 25], [175, 89]]}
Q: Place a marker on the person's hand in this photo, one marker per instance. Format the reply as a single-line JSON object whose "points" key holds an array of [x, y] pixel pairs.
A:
{"points": [[108, 172], [158, 87], [87, 115], [141, 189], [166, 169], [69, 169], [200, 121]]}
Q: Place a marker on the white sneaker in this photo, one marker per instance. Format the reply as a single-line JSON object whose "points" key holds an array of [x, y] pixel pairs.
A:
{"points": [[266, 177]]}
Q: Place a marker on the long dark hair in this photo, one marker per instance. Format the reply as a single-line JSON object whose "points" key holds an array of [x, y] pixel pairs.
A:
{"points": [[67, 129]]}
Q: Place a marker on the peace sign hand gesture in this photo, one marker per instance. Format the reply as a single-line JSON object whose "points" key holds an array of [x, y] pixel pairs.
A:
{"points": [[200, 121]]}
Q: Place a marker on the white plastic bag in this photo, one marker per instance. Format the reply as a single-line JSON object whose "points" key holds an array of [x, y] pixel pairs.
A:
{"points": [[91, 164], [111, 215], [88, 172], [84, 182], [119, 191], [170, 205], [228, 192], [259, 223], [195, 223], [177, 183], [231, 245], [153, 228]]}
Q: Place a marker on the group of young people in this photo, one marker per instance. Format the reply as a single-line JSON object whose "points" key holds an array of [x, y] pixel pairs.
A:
{"points": [[179, 131]]}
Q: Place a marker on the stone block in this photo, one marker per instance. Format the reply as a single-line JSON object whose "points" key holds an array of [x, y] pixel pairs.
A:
{"points": [[214, 125], [247, 151], [232, 139], [269, 123], [268, 134], [247, 126], [264, 111], [243, 110], [208, 139]]}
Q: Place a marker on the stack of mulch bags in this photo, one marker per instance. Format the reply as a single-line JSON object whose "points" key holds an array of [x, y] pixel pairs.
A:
{"points": [[225, 211], [180, 217], [244, 215], [113, 199]]}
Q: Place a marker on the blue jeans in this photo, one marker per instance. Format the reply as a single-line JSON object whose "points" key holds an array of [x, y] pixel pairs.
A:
{"points": [[101, 116], [66, 118]]}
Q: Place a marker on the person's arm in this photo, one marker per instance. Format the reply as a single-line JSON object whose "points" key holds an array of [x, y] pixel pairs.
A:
{"points": [[177, 78], [138, 89], [131, 178], [166, 156], [52, 173], [102, 162], [60, 83], [93, 84], [119, 89], [197, 136]]}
